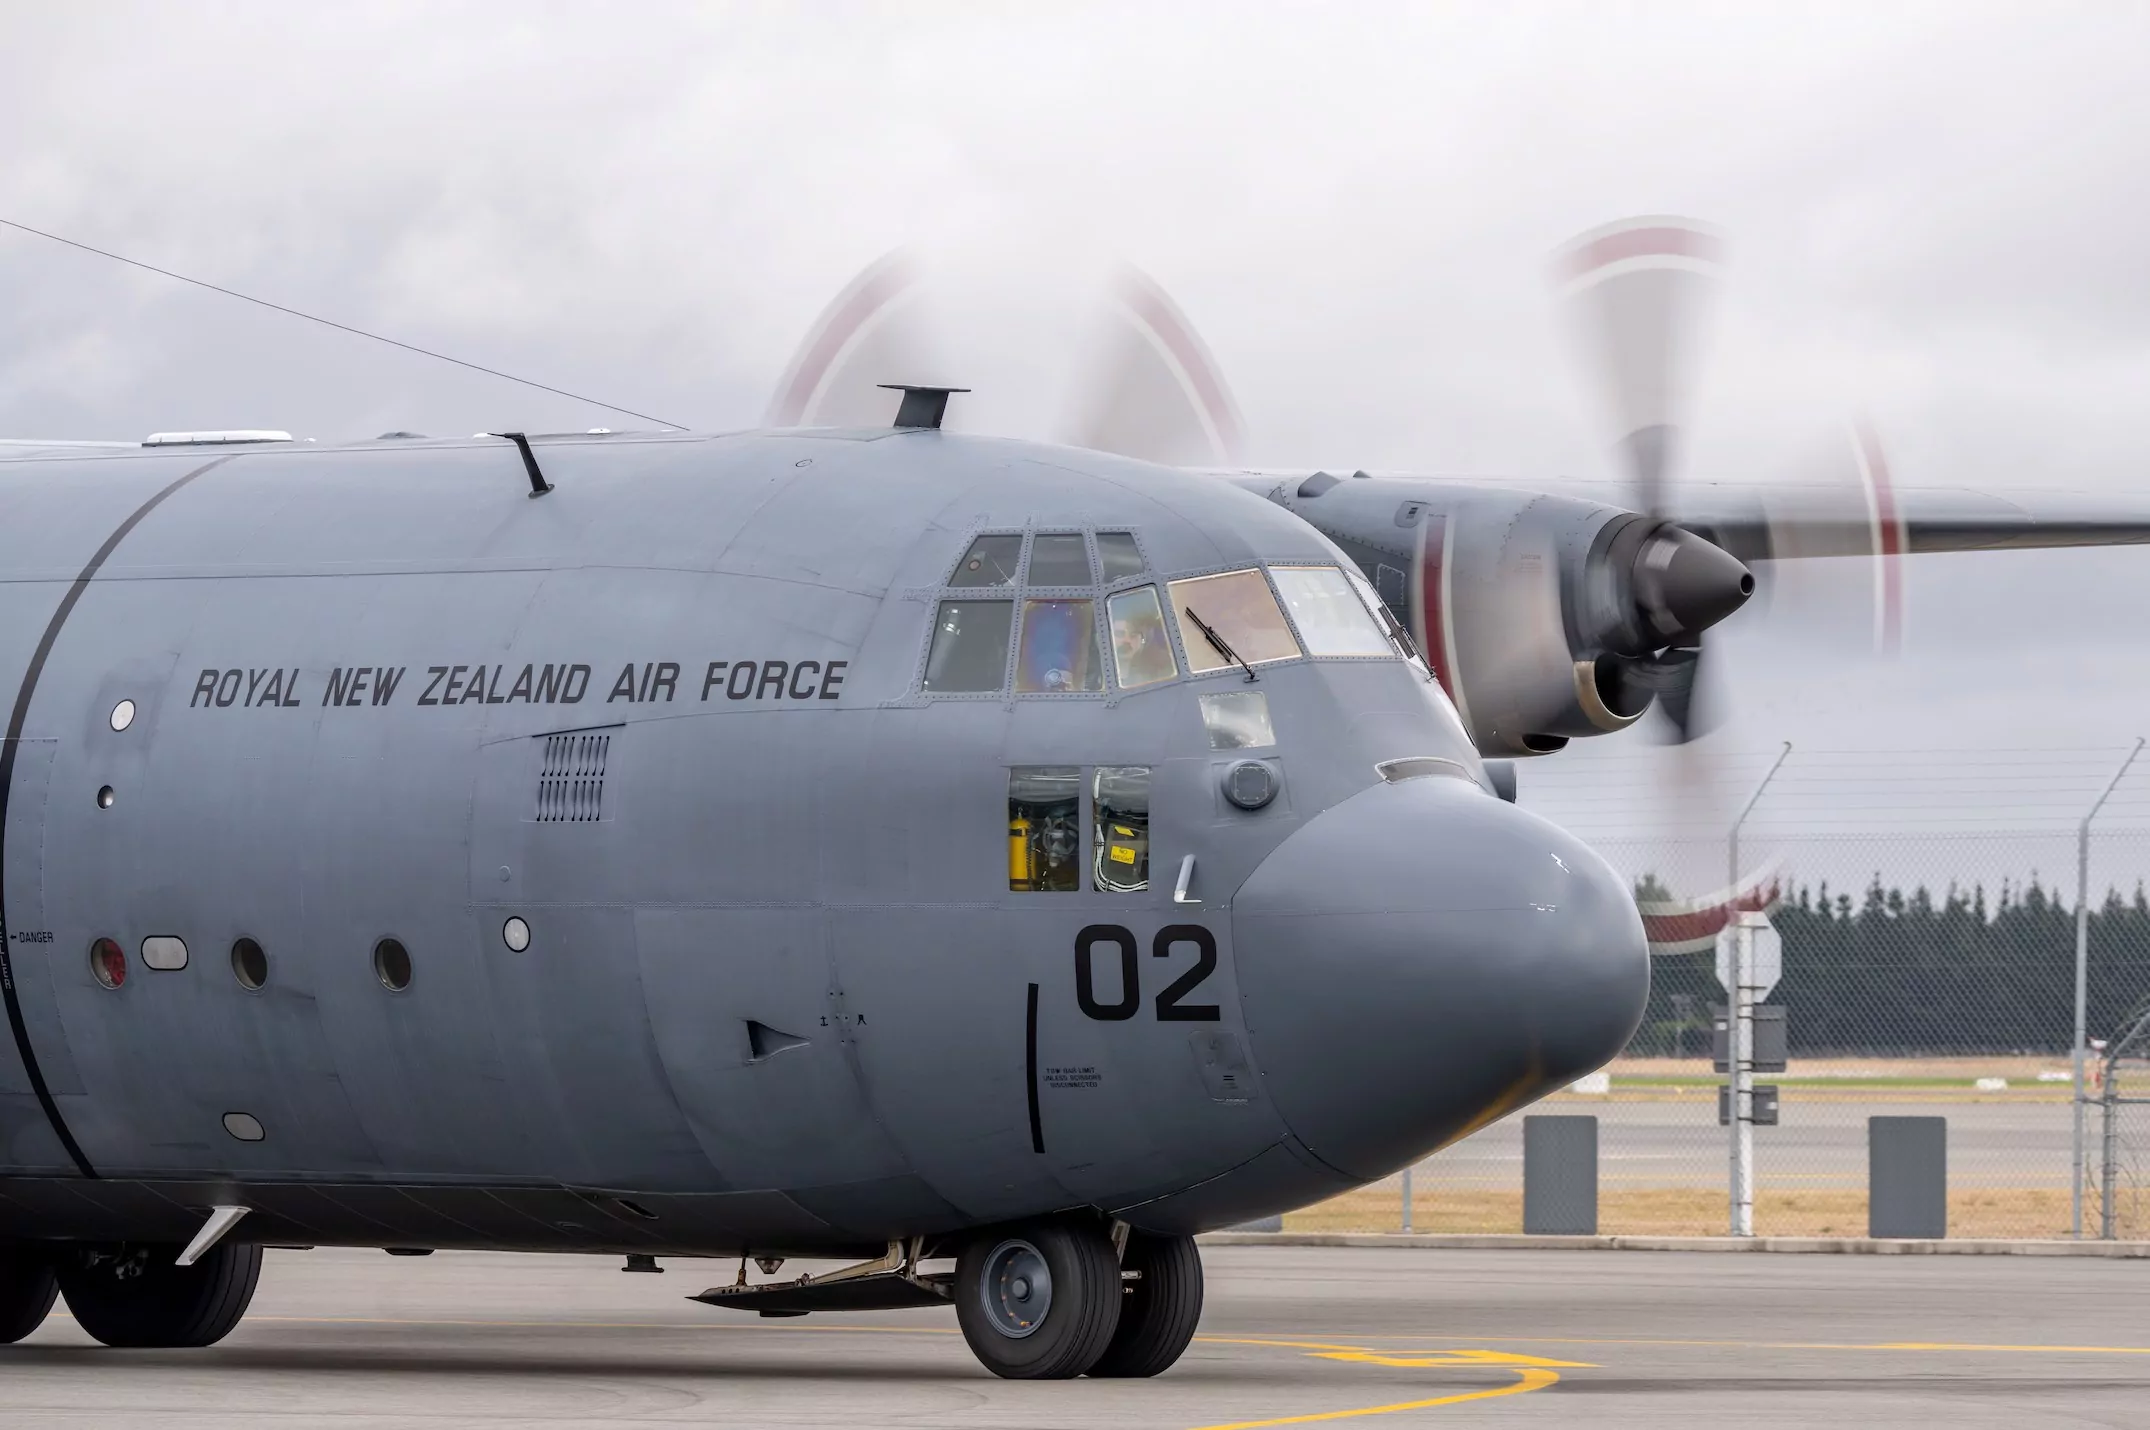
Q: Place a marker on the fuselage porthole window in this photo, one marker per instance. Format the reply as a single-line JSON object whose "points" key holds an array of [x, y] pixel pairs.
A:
{"points": [[392, 965], [249, 964], [1044, 829]]}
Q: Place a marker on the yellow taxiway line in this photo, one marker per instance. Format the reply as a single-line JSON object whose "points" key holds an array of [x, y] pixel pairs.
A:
{"points": [[1532, 1373], [1527, 1379]]}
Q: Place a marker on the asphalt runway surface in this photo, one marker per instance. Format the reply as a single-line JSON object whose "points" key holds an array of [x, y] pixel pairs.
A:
{"points": [[1291, 1335], [1820, 1142]]}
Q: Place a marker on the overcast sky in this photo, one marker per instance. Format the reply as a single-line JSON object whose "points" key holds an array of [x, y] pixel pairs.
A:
{"points": [[1936, 211]]}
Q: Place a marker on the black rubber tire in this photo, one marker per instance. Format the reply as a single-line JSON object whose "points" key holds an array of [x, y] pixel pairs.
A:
{"points": [[1159, 1309], [132, 1295], [1078, 1323], [27, 1291]]}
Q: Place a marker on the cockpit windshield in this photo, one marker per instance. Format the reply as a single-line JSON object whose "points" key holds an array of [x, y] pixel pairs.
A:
{"points": [[1331, 618], [1242, 620], [1054, 613]]}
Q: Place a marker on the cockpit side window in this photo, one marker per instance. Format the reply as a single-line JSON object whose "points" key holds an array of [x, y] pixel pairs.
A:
{"points": [[1045, 828], [1242, 620], [1141, 647], [1120, 839], [990, 561], [1331, 618], [1379, 610], [969, 654]]}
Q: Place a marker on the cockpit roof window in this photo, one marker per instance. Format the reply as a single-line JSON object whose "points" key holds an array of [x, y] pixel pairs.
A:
{"points": [[1239, 607], [1118, 554], [990, 561], [1059, 560], [1331, 618]]}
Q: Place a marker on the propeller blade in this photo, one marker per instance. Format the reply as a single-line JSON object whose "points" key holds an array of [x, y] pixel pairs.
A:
{"points": [[1154, 391], [1844, 504], [1888, 536], [1635, 291], [863, 338]]}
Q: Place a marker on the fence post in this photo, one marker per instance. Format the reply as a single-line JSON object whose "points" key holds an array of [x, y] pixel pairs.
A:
{"points": [[2080, 1169], [2108, 1173], [1407, 1197], [1739, 1025]]}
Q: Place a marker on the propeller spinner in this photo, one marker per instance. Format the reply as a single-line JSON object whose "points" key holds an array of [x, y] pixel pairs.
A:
{"points": [[1635, 292]]}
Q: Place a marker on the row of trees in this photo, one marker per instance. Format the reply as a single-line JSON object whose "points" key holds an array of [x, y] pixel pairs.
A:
{"points": [[1898, 973]]}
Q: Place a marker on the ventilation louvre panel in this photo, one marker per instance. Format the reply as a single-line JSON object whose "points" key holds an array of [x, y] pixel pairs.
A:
{"points": [[571, 779]]}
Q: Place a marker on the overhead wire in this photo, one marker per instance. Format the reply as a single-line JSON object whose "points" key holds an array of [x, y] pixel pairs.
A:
{"points": [[339, 327]]}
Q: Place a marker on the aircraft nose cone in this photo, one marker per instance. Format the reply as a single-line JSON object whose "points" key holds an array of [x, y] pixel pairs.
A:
{"points": [[1421, 959], [1685, 585]]}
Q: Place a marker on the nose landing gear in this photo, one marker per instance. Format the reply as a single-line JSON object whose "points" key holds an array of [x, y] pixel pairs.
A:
{"points": [[132, 1295], [1052, 1300]]}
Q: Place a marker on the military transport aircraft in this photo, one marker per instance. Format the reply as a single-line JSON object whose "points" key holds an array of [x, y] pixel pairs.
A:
{"points": [[992, 861], [877, 842]]}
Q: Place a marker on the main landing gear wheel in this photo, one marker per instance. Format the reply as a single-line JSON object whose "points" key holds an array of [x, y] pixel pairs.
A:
{"points": [[1039, 1302], [132, 1295], [1159, 1310], [27, 1289]]}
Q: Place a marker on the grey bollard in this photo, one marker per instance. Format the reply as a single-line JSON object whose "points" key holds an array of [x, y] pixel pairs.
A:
{"points": [[1560, 1176], [1907, 1176]]}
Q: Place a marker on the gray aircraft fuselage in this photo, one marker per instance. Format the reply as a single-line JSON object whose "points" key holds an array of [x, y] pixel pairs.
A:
{"points": [[666, 728]]}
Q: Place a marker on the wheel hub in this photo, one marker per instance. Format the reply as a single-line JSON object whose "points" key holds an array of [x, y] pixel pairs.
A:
{"points": [[1017, 1288]]}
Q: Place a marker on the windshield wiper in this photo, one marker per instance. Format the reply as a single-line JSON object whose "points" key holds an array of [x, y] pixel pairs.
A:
{"points": [[1219, 644]]}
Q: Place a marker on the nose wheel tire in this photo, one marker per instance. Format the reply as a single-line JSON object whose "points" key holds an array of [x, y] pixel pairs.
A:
{"points": [[1039, 1302], [27, 1291], [1159, 1309], [132, 1295]]}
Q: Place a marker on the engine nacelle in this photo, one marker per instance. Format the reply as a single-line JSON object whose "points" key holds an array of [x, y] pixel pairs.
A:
{"points": [[1545, 618]]}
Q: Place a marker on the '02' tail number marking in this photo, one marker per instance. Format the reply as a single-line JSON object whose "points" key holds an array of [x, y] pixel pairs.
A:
{"points": [[1169, 1007]]}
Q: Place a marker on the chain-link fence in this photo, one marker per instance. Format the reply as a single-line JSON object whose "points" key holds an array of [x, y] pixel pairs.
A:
{"points": [[1926, 972], [2122, 1129]]}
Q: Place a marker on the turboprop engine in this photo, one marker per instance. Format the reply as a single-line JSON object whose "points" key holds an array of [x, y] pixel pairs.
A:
{"points": [[1544, 617]]}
